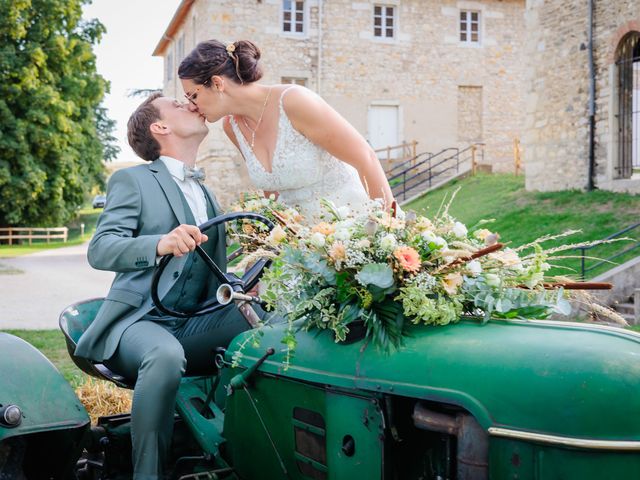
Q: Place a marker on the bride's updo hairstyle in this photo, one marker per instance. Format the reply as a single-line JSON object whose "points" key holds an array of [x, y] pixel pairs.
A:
{"points": [[238, 61]]}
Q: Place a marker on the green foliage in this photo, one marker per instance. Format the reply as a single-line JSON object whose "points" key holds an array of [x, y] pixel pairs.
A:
{"points": [[522, 216], [53, 131]]}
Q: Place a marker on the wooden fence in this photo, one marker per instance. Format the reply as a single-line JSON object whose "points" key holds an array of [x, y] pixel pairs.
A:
{"points": [[33, 233]]}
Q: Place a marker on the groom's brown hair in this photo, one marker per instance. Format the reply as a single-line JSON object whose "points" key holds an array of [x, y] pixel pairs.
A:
{"points": [[139, 129]]}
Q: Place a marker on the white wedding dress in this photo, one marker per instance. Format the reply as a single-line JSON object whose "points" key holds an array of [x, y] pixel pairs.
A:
{"points": [[303, 173]]}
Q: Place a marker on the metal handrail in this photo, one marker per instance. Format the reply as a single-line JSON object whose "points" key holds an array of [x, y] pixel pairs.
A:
{"points": [[410, 160], [584, 269], [423, 171]]}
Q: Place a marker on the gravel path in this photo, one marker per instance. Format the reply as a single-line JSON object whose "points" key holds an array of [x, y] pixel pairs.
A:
{"points": [[35, 288]]}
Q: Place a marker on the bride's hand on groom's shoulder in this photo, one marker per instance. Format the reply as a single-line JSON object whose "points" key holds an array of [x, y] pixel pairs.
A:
{"points": [[181, 240]]}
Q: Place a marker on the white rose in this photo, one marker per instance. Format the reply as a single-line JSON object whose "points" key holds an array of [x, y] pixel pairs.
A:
{"points": [[364, 243], [474, 268], [388, 242], [428, 236], [342, 234], [459, 230], [492, 279], [441, 243], [317, 240]]}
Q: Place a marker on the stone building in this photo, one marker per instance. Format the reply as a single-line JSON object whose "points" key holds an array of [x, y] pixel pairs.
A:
{"points": [[442, 73], [558, 150]]}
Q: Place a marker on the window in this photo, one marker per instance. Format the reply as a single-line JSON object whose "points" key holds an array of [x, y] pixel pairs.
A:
{"points": [[295, 80], [169, 67], [383, 21], [469, 26], [292, 16]]}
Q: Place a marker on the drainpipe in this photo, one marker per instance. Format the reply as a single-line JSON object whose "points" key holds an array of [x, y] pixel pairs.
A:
{"points": [[592, 102], [319, 68]]}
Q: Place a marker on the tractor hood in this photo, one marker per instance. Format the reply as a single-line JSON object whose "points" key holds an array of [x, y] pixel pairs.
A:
{"points": [[554, 378], [31, 382]]}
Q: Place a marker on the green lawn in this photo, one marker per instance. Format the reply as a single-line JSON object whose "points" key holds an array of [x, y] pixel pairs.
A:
{"points": [[522, 216], [51, 343], [88, 216]]}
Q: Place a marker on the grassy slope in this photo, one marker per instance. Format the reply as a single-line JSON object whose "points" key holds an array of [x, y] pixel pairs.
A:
{"points": [[522, 216]]}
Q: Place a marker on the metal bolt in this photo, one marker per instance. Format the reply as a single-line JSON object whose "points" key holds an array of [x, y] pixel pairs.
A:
{"points": [[11, 415]]}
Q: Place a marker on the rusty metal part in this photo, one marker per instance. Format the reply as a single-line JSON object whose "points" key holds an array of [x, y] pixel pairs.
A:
{"points": [[472, 459]]}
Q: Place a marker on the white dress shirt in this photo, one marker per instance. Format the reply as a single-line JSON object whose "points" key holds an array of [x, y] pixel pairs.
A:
{"points": [[190, 188]]}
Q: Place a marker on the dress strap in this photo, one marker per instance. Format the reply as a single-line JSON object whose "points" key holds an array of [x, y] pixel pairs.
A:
{"points": [[245, 149], [284, 92]]}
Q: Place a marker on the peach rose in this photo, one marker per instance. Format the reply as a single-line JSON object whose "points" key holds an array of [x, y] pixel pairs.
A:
{"points": [[451, 283], [324, 228]]}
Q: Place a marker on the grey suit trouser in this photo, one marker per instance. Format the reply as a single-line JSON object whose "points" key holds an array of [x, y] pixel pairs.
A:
{"points": [[157, 353]]}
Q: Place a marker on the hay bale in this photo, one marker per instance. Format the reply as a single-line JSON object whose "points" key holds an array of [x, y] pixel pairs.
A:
{"points": [[102, 398]]}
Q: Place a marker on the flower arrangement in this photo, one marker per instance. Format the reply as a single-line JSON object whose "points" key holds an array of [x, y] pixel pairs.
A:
{"points": [[386, 271], [251, 235]]}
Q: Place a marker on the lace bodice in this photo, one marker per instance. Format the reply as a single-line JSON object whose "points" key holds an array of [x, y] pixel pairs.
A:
{"points": [[301, 172]]}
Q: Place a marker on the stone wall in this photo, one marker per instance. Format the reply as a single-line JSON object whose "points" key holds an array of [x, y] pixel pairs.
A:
{"points": [[421, 71], [556, 139]]}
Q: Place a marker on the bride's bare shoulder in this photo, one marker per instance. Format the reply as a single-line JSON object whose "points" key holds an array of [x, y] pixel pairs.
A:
{"points": [[300, 103]]}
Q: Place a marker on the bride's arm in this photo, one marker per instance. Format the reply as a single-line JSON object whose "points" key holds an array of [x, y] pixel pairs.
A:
{"points": [[228, 130], [325, 127]]}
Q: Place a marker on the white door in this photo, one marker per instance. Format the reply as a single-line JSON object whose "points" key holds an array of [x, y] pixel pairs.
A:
{"points": [[383, 128]]}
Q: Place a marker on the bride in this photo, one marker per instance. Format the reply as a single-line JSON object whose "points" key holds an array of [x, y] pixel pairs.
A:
{"points": [[294, 144]]}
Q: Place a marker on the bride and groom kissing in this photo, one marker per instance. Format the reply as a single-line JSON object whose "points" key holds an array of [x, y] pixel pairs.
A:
{"points": [[294, 144]]}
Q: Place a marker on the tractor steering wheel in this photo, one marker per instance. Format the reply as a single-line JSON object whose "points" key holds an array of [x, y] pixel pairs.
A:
{"points": [[248, 280]]}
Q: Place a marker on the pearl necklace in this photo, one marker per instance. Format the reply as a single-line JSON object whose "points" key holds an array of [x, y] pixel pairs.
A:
{"points": [[254, 130]]}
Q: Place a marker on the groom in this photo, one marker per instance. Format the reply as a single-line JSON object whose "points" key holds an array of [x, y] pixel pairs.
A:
{"points": [[151, 210]]}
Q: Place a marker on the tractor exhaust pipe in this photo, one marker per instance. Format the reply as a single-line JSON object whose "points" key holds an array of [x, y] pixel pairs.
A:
{"points": [[472, 461]]}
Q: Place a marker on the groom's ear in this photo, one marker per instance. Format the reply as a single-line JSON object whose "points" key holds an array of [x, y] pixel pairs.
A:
{"points": [[159, 128]]}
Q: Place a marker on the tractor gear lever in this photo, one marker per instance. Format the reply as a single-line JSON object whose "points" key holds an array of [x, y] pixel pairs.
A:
{"points": [[240, 380]]}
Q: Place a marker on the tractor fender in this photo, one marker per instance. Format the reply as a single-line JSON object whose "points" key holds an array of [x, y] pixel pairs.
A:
{"points": [[29, 381]]}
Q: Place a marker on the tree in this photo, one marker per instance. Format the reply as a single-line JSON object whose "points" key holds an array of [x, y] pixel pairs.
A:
{"points": [[54, 133]]}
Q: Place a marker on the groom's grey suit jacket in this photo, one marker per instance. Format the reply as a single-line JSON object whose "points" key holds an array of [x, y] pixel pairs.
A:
{"points": [[143, 203]]}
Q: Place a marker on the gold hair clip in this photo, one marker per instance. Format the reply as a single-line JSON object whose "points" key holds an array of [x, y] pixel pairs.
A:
{"points": [[231, 48]]}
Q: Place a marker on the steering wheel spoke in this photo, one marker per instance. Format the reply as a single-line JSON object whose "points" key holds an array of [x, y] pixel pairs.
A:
{"points": [[248, 280]]}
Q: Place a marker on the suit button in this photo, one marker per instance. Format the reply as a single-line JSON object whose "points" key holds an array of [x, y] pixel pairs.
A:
{"points": [[194, 259], [176, 274]]}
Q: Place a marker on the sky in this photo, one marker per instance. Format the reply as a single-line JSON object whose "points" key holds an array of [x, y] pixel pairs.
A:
{"points": [[134, 28]]}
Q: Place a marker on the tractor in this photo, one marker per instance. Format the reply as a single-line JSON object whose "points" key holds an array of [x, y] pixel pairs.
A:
{"points": [[503, 399]]}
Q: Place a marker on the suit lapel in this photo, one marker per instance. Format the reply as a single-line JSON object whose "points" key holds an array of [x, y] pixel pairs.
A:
{"points": [[169, 188]]}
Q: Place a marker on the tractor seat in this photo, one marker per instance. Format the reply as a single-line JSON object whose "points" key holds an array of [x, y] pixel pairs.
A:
{"points": [[74, 321]]}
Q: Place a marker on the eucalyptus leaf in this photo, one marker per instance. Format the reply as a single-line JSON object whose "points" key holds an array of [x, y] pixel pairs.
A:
{"points": [[376, 274]]}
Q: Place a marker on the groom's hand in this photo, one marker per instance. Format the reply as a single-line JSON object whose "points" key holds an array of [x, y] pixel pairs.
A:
{"points": [[181, 240]]}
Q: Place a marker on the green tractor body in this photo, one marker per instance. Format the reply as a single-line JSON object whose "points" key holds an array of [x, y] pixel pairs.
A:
{"points": [[549, 400], [504, 400]]}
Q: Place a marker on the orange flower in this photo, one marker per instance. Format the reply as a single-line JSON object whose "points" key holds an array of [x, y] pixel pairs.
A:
{"points": [[337, 252], [324, 228], [408, 258]]}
